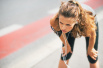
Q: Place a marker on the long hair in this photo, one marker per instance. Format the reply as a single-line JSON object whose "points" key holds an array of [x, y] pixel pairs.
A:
{"points": [[86, 19]]}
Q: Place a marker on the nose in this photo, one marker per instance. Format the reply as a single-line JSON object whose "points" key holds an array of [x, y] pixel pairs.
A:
{"points": [[63, 27]]}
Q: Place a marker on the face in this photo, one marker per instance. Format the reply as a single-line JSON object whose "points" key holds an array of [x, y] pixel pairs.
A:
{"points": [[66, 24]]}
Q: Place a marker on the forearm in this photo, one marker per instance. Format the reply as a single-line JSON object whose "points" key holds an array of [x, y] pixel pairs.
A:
{"points": [[91, 42]]}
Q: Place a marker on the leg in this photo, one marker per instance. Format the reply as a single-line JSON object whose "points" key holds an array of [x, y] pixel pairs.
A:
{"points": [[71, 42], [62, 64], [93, 63]]}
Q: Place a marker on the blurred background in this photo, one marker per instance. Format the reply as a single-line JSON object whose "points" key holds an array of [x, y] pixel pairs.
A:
{"points": [[27, 41]]}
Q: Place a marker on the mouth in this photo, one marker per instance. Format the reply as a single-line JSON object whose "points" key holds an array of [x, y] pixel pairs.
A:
{"points": [[63, 31]]}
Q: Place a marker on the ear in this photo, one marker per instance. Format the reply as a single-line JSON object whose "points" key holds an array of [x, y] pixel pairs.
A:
{"points": [[62, 2]]}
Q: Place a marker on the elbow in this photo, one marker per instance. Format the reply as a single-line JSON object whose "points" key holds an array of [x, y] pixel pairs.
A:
{"points": [[51, 22]]}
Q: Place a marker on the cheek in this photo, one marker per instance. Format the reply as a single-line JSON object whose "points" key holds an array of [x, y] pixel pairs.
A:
{"points": [[60, 25], [69, 28]]}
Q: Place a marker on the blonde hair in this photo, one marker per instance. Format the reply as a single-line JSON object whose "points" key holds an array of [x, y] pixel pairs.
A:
{"points": [[86, 19]]}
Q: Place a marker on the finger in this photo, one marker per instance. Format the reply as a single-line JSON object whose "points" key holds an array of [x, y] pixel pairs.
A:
{"points": [[96, 51], [93, 57], [87, 54], [63, 50], [64, 54], [70, 51], [96, 55]]}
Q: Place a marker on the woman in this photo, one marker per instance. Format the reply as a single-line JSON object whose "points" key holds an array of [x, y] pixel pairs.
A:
{"points": [[72, 21]]}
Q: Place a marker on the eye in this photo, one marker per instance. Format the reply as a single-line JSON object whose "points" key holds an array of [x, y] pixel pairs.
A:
{"points": [[68, 24], [61, 22]]}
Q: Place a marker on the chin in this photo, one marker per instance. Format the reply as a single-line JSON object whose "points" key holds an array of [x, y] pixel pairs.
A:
{"points": [[65, 32]]}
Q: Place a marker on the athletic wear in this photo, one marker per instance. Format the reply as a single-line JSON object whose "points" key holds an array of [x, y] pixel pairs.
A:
{"points": [[72, 39]]}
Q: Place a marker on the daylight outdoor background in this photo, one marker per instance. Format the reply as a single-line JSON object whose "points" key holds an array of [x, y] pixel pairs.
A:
{"points": [[27, 41]]}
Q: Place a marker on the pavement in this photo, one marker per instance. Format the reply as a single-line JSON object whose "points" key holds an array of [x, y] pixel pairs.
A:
{"points": [[45, 51]]}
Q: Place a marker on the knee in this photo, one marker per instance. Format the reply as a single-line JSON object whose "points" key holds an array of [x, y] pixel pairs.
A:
{"points": [[92, 61], [68, 56]]}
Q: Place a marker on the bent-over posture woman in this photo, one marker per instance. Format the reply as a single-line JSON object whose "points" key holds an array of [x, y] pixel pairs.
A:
{"points": [[74, 20]]}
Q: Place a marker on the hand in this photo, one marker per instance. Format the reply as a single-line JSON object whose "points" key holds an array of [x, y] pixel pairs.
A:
{"points": [[92, 53], [68, 50]]}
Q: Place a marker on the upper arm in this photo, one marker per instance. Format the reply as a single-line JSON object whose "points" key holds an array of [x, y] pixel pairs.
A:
{"points": [[93, 33], [51, 21], [55, 23]]}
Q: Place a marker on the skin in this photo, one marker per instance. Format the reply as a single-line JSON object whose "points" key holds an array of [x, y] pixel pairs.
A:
{"points": [[67, 25]]}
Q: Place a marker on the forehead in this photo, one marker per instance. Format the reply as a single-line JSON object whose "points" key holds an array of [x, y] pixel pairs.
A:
{"points": [[67, 20]]}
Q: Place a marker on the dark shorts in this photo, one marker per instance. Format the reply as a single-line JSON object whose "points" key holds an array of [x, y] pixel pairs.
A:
{"points": [[71, 42]]}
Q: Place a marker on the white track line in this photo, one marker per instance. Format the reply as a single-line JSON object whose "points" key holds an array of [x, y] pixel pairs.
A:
{"points": [[34, 57], [9, 29], [53, 11]]}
